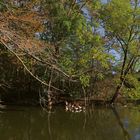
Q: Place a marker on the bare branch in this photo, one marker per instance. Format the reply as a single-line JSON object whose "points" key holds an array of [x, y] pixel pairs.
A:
{"points": [[42, 82]]}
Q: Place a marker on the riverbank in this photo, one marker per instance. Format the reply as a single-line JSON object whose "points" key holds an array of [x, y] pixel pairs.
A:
{"points": [[75, 102]]}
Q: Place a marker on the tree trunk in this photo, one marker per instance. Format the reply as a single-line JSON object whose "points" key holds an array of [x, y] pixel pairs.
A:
{"points": [[117, 92]]}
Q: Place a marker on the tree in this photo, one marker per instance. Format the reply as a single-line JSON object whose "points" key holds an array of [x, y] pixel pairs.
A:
{"points": [[121, 22], [55, 41]]}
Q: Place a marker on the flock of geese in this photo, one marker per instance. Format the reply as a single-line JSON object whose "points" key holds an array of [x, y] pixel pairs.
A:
{"points": [[74, 107]]}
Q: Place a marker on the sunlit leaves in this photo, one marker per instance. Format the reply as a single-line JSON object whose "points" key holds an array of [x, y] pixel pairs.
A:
{"points": [[102, 57], [117, 16], [132, 88], [85, 80]]}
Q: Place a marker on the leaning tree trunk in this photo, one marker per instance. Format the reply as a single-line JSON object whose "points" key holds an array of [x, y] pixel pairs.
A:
{"points": [[117, 92], [122, 79]]}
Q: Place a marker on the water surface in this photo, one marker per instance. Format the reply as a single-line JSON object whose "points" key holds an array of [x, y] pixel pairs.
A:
{"points": [[28, 123]]}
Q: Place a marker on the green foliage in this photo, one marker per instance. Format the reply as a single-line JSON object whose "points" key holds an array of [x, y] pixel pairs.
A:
{"points": [[100, 76], [137, 67], [74, 49], [2, 6], [85, 80], [133, 91], [117, 16], [121, 23]]}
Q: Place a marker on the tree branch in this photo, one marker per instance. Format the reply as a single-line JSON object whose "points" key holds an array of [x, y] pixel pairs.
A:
{"points": [[39, 80]]}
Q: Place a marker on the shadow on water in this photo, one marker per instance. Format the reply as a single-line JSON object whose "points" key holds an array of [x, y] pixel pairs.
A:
{"points": [[124, 130], [95, 124]]}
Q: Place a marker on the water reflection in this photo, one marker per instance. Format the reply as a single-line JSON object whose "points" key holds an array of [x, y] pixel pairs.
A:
{"points": [[95, 124], [122, 126]]}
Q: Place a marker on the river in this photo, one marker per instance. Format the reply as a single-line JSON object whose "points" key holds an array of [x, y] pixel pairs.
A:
{"points": [[32, 123]]}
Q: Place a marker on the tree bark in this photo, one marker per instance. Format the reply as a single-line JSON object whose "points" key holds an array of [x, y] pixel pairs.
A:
{"points": [[117, 92]]}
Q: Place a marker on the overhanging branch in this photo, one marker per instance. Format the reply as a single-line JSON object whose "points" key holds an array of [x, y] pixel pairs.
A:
{"points": [[39, 80]]}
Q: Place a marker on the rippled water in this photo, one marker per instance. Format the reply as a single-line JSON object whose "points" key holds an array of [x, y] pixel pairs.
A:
{"points": [[28, 123]]}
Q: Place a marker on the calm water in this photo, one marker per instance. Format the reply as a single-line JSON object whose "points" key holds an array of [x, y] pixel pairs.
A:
{"points": [[96, 124]]}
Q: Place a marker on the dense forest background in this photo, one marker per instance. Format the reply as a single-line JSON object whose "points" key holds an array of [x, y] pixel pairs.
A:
{"points": [[51, 50]]}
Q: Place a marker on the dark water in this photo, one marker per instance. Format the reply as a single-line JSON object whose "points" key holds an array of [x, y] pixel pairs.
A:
{"points": [[96, 124]]}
